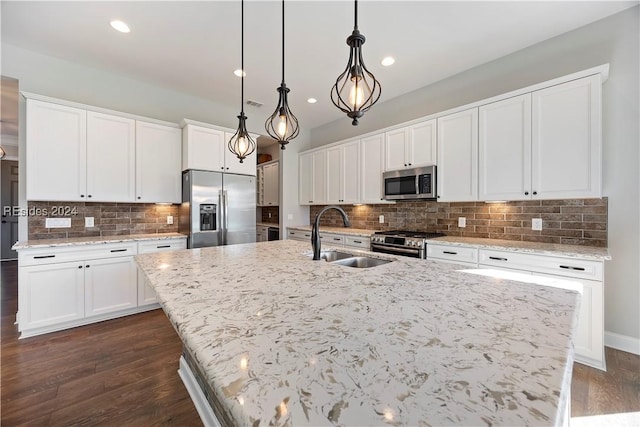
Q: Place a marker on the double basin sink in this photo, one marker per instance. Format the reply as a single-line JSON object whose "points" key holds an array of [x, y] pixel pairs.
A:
{"points": [[350, 260]]}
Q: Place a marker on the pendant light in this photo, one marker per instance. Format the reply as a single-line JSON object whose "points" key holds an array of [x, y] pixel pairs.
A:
{"points": [[241, 144], [282, 125], [2, 153], [356, 89]]}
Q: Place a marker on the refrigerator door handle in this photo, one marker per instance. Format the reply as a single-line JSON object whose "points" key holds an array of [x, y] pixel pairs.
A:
{"points": [[225, 226]]}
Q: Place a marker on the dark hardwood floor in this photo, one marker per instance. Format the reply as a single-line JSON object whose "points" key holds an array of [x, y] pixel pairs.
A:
{"points": [[123, 372]]}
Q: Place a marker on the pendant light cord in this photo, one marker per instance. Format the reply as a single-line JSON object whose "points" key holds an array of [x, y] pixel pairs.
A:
{"points": [[355, 23], [242, 57], [283, 41]]}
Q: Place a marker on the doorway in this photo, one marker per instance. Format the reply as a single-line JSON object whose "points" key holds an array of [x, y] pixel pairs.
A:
{"points": [[9, 93]]}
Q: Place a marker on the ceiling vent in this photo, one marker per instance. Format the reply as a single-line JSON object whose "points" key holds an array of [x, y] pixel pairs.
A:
{"points": [[254, 103]]}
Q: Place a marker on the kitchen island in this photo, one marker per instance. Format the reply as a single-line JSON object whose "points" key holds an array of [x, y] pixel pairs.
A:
{"points": [[278, 339]]}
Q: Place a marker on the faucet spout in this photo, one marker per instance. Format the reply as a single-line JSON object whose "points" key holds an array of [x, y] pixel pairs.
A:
{"points": [[315, 233]]}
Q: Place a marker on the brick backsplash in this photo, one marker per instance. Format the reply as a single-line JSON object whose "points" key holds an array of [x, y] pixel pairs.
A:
{"points": [[110, 219], [273, 210], [573, 222]]}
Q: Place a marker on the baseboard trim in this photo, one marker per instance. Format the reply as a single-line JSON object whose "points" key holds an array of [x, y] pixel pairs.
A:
{"points": [[622, 342]]}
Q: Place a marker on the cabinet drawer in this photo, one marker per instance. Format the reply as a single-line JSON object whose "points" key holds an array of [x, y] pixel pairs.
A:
{"points": [[43, 256], [161, 245], [332, 239], [452, 253], [357, 241], [299, 235], [570, 267]]}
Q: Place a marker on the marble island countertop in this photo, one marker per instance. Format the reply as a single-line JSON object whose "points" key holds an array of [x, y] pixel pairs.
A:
{"points": [[284, 340], [570, 251], [52, 243]]}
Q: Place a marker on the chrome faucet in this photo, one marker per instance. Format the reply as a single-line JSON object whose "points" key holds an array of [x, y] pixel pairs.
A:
{"points": [[315, 234]]}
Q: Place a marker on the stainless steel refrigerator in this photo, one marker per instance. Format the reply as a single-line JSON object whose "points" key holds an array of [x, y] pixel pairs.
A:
{"points": [[217, 208]]}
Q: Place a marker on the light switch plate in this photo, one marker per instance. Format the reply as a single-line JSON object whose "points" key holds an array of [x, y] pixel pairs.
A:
{"points": [[462, 222], [88, 221], [536, 224], [289, 216], [169, 219], [381, 219], [57, 223]]}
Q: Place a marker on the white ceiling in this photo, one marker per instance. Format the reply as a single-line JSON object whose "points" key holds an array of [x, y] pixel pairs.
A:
{"points": [[194, 47]]}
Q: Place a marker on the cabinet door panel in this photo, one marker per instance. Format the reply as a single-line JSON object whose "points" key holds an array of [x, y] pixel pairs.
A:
{"points": [[110, 285], [110, 158], [372, 166], [56, 138], [305, 178], [271, 184], [334, 175], [158, 177], [203, 148], [422, 143], [395, 150], [566, 144], [351, 172], [458, 156], [319, 177], [50, 294], [505, 149]]}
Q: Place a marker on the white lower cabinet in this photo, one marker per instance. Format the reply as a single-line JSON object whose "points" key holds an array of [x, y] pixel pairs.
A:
{"points": [[331, 239], [589, 338], [109, 285], [50, 294], [69, 286], [146, 295]]}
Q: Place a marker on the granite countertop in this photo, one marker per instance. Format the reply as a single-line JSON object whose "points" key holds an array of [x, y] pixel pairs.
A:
{"points": [[268, 224], [51, 243], [339, 230], [570, 251], [284, 340]]}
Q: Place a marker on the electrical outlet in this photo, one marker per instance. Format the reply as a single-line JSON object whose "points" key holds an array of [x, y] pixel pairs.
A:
{"points": [[462, 222], [289, 216], [381, 219], [536, 224], [57, 222], [169, 219], [88, 221]]}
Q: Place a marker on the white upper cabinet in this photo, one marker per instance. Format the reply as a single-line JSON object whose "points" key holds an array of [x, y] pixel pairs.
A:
{"points": [[458, 156], [312, 177], [566, 140], [411, 146], [271, 184], [505, 149], [202, 148], [232, 163], [158, 163], [111, 164], [56, 152], [371, 168], [343, 174], [206, 148], [98, 157]]}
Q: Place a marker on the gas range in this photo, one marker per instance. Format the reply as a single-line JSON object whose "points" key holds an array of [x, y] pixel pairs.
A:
{"points": [[400, 242]]}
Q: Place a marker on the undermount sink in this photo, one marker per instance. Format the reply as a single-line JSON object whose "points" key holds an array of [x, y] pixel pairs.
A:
{"points": [[361, 262], [351, 260], [331, 256]]}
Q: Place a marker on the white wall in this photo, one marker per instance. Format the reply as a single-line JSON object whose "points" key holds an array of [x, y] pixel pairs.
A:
{"points": [[612, 40]]}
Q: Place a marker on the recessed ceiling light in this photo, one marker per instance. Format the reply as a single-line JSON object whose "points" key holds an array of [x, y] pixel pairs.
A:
{"points": [[388, 60], [312, 100], [120, 26], [240, 73]]}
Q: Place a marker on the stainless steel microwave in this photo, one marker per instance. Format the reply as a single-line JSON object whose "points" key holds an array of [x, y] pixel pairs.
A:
{"points": [[416, 183]]}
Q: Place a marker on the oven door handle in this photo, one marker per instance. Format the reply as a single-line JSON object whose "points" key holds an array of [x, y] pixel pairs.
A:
{"points": [[395, 248]]}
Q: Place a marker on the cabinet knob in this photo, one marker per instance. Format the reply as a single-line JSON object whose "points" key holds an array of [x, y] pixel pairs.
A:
{"points": [[405, 164], [535, 193], [82, 195], [409, 164], [87, 266], [139, 197], [89, 195], [79, 266], [526, 193]]}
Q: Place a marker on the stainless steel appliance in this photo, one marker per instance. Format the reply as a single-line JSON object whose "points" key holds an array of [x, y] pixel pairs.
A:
{"points": [[217, 208], [407, 243], [273, 233], [407, 184]]}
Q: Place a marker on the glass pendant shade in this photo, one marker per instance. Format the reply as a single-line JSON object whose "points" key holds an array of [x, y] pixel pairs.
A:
{"points": [[2, 153], [282, 125], [241, 144], [356, 89]]}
